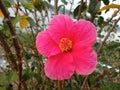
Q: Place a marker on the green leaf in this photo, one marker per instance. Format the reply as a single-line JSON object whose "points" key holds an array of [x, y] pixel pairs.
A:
{"points": [[106, 2], [34, 64], [15, 20], [28, 5], [37, 77], [28, 56], [100, 21], [31, 22], [64, 1], [94, 6], [75, 12], [12, 76], [26, 75], [7, 3]]}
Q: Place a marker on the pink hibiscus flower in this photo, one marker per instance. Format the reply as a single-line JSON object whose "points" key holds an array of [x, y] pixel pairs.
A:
{"points": [[68, 47]]}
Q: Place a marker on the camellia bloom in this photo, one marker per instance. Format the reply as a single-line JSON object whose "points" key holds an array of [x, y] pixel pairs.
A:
{"points": [[68, 47]]}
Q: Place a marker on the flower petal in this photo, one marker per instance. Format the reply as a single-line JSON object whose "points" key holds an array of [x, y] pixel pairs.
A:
{"points": [[84, 32], [45, 45], [59, 67], [60, 26], [85, 60]]}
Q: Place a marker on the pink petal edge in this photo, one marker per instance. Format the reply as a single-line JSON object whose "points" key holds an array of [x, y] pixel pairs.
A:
{"points": [[60, 26], [45, 45], [84, 32], [85, 59], [59, 67]]}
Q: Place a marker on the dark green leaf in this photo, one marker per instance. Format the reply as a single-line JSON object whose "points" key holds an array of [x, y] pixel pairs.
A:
{"points": [[94, 6], [76, 10], [106, 2], [31, 21], [100, 21], [26, 75], [37, 77], [28, 5], [7, 3], [15, 20], [64, 1]]}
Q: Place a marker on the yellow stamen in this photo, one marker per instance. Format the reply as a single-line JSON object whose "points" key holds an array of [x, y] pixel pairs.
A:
{"points": [[65, 44]]}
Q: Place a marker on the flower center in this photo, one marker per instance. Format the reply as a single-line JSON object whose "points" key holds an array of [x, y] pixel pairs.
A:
{"points": [[65, 44]]}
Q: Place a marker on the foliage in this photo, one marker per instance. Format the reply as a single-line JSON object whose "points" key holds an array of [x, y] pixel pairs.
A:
{"points": [[32, 16]]}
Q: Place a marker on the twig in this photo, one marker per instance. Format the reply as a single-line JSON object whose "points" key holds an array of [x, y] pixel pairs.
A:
{"points": [[55, 7], [80, 10], [108, 34], [8, 52], [15, 41], [71, 7], [59, 84], [107, 22], [84, 82]]}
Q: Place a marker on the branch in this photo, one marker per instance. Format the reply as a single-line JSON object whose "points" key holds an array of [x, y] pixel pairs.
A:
{"points": [[72, 2], [8, 52], [108, 34], [80, 10], [14, 39], [55, 7]]}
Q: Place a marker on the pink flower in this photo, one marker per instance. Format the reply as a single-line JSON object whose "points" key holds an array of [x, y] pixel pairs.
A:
{"points": [[68, 47]]}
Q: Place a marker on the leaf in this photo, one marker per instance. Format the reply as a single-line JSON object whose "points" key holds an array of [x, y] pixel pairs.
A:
{"points": [[1, 14], [100, 21], [26, 75], [75, 12], [7, 3], [64, 1], [12, 76], [24, 22], [15, 20], [37, 77], [31, 22], [113, 35], [109, 6], [106, 2], [28, 5], [94, 6]]}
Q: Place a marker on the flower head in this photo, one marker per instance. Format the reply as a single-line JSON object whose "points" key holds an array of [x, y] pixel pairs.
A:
{"points": [[68, 47]]}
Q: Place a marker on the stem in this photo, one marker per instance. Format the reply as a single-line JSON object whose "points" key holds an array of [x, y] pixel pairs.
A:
{"points": [[59, 87], [15, 41], [8, 52], [84, 82], [108, 34], [71, 7], [55, 7], [80, 10], [107, 22]]}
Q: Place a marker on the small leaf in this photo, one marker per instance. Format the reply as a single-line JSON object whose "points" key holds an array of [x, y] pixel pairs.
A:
{"points": [[94, 6], [28, 5], [15, 20], [1, 14], [26, 75], [12, 76], [113, 35], [37, 77], [7, 3], [24, 22], [106, 2], [31, 21], [109, 6], [64, 1], [100, 21]]}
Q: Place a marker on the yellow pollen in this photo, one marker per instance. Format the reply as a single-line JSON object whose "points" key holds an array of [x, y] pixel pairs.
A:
{"points": [[65, 44]]}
